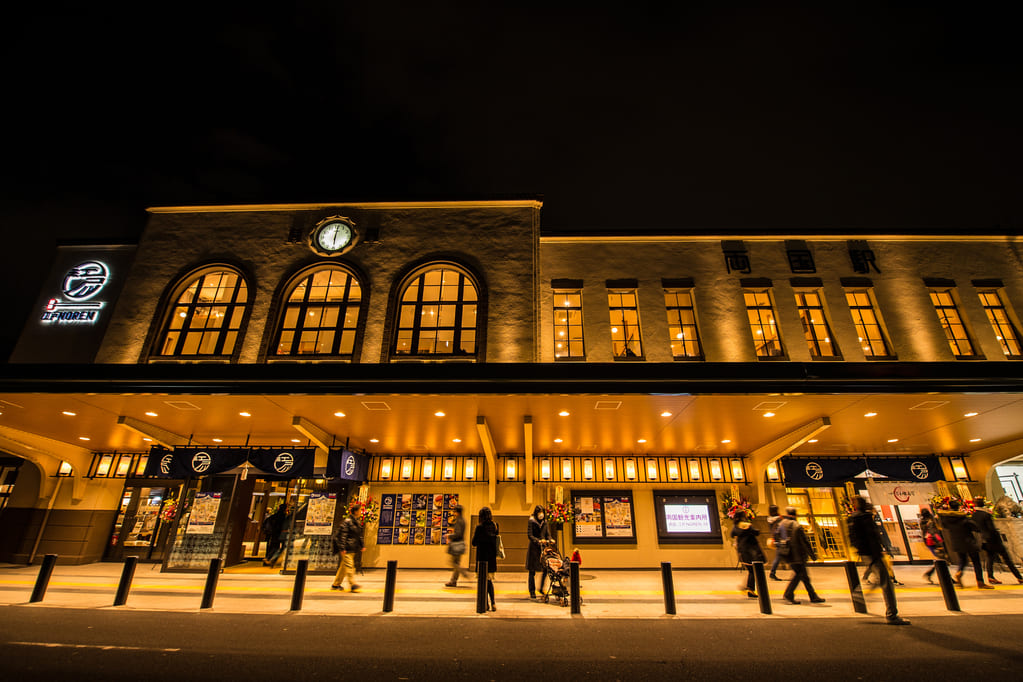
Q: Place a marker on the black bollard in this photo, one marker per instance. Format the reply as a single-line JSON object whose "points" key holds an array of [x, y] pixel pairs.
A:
{"points": [[210, 589], [575, 597], [389, 581], [760, 578], [45, 571], [126, 577], [298, 590], [852, 575], [481, 587], [948, 588], [668, 586]]}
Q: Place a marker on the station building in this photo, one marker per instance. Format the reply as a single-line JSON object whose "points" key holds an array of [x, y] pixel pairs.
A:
{"points": [[166, 395]]}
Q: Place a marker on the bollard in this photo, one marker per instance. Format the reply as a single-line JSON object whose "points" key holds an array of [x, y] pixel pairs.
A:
{"points": [[126, 576], [481, 587], [44, 578], [852, 576], [760, 578], [211, 584], [576, 598], [948, 588], [668, 587], [389, 580], [299, 589]]}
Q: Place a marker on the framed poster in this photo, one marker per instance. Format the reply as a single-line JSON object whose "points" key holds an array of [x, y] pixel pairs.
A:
{"points": [[203, 517], [687, 517], [604, 516], [319, 518]]}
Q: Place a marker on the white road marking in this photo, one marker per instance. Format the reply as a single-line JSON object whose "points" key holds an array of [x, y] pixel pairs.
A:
{"points": [[103, 647]]}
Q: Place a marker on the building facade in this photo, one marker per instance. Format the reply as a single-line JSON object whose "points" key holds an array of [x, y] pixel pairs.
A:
{"points": [[169, 394]]}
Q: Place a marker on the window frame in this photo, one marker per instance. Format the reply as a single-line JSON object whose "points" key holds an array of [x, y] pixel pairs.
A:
{"points": [[625, 356], [810, 328], [173, 307], [747, 291], [882, 332], [1007, 321], [418, 275], [340, 330], [568, 326], [940, 311], [675, 308]]}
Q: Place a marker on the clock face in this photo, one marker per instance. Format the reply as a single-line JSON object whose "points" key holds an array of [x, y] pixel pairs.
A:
{"points": [[333, 235]]}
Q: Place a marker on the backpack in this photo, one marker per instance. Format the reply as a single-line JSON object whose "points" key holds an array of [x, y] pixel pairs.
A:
{"points": [[783, 545]]}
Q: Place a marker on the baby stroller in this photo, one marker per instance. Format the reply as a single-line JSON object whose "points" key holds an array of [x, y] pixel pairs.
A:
{"points": [[556, 569]]}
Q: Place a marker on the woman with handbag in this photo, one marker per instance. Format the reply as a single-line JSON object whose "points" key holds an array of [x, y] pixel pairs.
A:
{"points": [[748, 547], [932, 538], [456, 545], [539, 535], [485, 538]]}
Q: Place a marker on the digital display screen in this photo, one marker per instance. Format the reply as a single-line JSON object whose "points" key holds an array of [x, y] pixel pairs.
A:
{"points": [[689, 516]]}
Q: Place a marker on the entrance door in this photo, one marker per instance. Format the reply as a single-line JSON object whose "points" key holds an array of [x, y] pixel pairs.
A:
{"points": [[142, 523]]}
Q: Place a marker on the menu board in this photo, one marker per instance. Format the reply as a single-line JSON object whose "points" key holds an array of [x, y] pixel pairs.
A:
{"points": [[414, 518], [603, 517]]}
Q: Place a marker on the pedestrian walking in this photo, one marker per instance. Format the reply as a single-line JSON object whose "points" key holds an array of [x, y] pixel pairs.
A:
{"points": [[348, 543], [959, 538], [748, 547], [456, 545], [864, 536], [539, 534], [934, 541], [484, 539], [273, 527], [773, 521], [992, 542], [797, 550]]}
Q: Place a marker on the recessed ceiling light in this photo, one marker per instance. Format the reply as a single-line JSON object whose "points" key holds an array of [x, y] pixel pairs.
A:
{"points": [[665, 414], [438, 413], [374, 440], [84, 438], [768, 414], [339, 414], [812, 440], [975, 440], [148, 440], [870, 414], [641, 440], [152, 414], [244, 414], [70, 414], [456, 440], [727, 440], [563, 413], [295, 440], [970, 414], [218, 440], [557, 440], [893, 440]]}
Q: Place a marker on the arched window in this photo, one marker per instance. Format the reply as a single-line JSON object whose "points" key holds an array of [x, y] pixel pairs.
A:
{"points": [[321, 315], [206, 316], [437, 314]]}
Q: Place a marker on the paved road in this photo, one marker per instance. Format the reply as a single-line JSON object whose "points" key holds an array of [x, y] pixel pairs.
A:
{"points": [[46, 643]]}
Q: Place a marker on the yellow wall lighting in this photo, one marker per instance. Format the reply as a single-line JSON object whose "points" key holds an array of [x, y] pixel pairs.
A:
{"points": [[651, 469], [65, 469], [509, 468], [449, 468], [470, 468], [428, 468], [566, 469], [609, 469], [630, 469], [545, 469], [715, 470], [959, 469], [104, 465], [406, 469], [772, 472], [694, 470], [588, 469], [385, 469], [736, 469], [673, 472]]}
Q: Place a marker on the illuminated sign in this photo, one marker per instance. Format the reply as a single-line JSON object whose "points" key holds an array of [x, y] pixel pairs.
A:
{"points": [[80, 284]]}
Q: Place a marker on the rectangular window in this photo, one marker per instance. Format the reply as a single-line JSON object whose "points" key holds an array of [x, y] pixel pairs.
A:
{"points": [[682, 332], [955, 331], [868, 324], [568, 325], [625, 337], [998, 316], [815, 325], [760, 310]]}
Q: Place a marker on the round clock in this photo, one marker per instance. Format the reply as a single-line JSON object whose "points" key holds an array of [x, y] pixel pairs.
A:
{"points": [[332, 236]]}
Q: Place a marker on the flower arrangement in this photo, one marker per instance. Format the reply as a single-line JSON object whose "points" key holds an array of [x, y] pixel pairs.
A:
{"points": [[170, 509], [559, 512], [364, 512], [944, 502], [737, 508]]}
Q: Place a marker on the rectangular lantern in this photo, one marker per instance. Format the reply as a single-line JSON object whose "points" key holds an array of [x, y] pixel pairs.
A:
{"points": [[588, 469], [385, 468], [715, 470], [545, 469], [630, 469], [694, 470], [566, 469], [428, 468], [449, 468], [772, 472], [406, 469], [509, 468], [470, 468], [673, 471], [609, 469], [737, 474], [651, 470]]}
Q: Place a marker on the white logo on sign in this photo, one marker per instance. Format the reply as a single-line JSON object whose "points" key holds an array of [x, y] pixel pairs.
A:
{"points": [[349, 464], [284, 462], [165, 464], [918, 469], [84, 281], [814, 471], [201, 462]]}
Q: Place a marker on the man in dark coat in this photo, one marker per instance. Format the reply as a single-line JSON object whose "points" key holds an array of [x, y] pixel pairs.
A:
{"points": [[348, 541], [539, 534], [864, 535], [800, 551], [959, 530], [993, 544], [273, 528], [748, 548]]}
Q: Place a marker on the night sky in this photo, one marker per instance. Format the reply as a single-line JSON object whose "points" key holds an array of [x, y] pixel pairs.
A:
{"points": [[742, 117]]}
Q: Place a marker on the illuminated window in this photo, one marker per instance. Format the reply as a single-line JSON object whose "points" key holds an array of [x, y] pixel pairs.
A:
{"points": [[998, 316], [955, 331], [868, 324], [437, 314], [625, 337], [205, 318], [760, 311], [815, 325], [682, 332], [321, 315], [568, 325]]}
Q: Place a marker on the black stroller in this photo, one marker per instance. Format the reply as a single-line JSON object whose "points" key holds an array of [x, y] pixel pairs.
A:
{"points": [[556, 569]]}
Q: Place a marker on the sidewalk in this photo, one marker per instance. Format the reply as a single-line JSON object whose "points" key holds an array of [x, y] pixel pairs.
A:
{"points": [[421, 593]]}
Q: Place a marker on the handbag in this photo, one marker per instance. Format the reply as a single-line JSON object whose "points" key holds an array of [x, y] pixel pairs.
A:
{"points": [[782, 545], [500, 547], [456, 547], [932, 540]]}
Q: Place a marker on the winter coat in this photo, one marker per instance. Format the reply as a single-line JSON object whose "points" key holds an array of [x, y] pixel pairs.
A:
{"points": [[864, 536], [484, 539], [772, 526], [348, 537], [746, 542], [985, 521], [802, 550], [536, 531], [959, 530]]}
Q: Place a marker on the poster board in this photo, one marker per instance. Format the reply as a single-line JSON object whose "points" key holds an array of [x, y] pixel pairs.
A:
{"points": [[203, 517], [604, 516], [319, 519], [414, 518]]}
